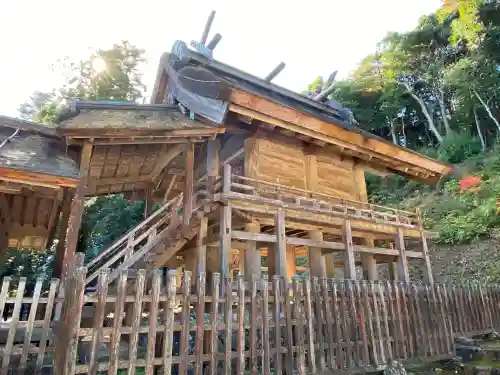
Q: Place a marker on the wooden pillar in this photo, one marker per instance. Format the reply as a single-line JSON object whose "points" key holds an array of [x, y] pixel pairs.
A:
{"points": [[188, 186], [271, 261], [76, 211], [369, 264], [148, 198], [393, 270], [330, 265], [251, 254], [213, 162], [349, 259], [403, 274], [291, 262], [316, 263], [280, 249], [427, 269], [201, 250], [61, 244], [225, 227]]}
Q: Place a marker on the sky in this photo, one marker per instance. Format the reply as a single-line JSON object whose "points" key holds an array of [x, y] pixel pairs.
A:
{"points": [[313, 37]]}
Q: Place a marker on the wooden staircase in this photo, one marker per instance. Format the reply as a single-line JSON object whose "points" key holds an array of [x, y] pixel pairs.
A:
{"points": [[150, 244]]}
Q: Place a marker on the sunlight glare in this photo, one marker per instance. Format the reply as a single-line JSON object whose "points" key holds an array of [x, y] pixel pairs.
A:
{"points": [[99, 65]]}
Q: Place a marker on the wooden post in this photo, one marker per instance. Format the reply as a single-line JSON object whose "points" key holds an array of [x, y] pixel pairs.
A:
{"points": [[280, 249], [291, 262], [330, 265], [349, 259], [393, 270], [187, 209], [428, 277], [271, 261], [61, 244], [225, 228], [76, 211], [251, 254], [369, 264], [316, 263], [403, 274], [201, 250], [148, 209], [213, 163], [67, 329]]}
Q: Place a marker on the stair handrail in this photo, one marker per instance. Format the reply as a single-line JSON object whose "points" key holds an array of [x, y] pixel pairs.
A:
{"points": [[125, 237]]}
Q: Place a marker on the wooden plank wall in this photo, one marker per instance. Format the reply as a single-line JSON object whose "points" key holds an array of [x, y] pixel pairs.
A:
{"points": [[287, 161]]}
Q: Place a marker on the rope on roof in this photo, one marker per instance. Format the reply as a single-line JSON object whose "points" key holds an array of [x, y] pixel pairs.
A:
{"points": [[9, 138]]}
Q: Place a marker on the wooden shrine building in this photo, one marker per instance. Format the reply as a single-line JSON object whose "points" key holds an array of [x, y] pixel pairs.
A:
{"points": [[241, 167]]}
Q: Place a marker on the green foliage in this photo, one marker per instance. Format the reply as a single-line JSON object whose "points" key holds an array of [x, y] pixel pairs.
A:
{"points": [[105, 220]]}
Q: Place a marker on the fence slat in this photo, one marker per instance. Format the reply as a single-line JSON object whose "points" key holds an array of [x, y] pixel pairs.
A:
{"points": [[369, 321], [365, 354], [266, 359], [54, 286], [228, 317], [13, 325], [329, 323], [200, 322], [311, 357], [168, 334], [29, 328], [136, 322], [185, 320], [254, 316], [378, 326], [278, 364], [287, 309], [153, 321], [355, 349], [298, 297], [319, 321], [100, 309], [214, 322], [117, 326], [344, 343], [337, 316], [387, 333], [398, 318], [240, 338]]}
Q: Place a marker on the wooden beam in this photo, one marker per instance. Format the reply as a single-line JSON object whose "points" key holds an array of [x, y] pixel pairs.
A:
{"points": [[53, 219], [277, 70], [169, 188], [76, 212], [208, 25], [61, 244], [114, 133], [166, 159], [188, 186], [37, 179]]}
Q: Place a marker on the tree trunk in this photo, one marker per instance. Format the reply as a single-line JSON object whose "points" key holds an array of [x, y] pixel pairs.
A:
{"points": [[393, 130], [442, 108], [426, 113], [487, 108], [478, 127]]}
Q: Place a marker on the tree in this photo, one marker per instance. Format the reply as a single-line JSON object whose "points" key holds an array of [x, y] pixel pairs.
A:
{"points": [[111, 74]]}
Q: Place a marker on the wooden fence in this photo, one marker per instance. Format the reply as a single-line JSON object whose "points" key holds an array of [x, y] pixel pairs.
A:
{"points": [[262, 326]]}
